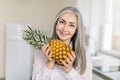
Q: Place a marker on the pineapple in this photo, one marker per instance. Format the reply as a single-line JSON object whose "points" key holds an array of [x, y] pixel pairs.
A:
{"points": [[37, 39]]}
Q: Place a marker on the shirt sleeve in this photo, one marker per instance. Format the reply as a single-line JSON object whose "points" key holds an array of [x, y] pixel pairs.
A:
{"points": [[75, 75], [40, 71]]}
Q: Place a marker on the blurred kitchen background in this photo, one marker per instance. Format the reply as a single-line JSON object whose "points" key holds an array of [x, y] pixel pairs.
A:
{"points": [[102, 28]]}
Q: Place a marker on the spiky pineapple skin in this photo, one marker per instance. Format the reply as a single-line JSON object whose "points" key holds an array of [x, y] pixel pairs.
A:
{"points": [[37, 39], [59, 50]]}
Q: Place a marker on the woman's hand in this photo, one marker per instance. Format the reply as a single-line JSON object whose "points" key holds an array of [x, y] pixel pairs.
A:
{"points": [[68, 62], [48, 54]]}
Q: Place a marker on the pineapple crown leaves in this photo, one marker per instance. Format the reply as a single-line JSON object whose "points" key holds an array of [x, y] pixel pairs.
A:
{"points": [[34, 37]]}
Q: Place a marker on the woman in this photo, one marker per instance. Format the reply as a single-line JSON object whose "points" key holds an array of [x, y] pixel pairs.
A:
{"points": [[68, 28]]}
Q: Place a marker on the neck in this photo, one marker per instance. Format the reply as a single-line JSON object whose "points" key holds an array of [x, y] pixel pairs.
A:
{"points": [[67, 42]]}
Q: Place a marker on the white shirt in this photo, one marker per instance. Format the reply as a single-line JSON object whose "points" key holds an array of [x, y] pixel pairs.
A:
{"points": [[41, 72]]}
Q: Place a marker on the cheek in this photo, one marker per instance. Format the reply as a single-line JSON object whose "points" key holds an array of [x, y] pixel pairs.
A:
{"points": [[73, 31], [58, 27]]}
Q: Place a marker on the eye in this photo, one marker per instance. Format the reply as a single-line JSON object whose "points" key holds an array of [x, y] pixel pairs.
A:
{"points": [[72, 25], [61, 22]]}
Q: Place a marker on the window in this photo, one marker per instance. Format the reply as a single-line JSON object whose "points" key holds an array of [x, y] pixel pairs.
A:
{"points": [[111, 29]]}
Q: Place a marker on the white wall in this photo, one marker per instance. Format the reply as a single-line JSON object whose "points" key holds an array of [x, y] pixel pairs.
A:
{"points": [[37, 12], [69, 3], [85, 8], [97, 21]]}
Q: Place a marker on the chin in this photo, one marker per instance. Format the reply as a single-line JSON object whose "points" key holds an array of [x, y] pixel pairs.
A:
{"points": [[62, 38]]}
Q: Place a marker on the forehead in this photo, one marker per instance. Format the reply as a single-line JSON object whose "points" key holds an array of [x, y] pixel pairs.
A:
{"points": [[69, 16]]}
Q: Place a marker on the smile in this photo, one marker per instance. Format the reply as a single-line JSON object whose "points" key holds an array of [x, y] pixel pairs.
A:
{"points": [[63, 34]]}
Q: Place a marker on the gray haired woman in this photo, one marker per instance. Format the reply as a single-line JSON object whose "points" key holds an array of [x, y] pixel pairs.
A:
{"points": [[68, 28]]}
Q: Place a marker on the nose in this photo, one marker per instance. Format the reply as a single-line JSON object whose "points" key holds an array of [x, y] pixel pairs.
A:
{"points": [[65, 28]]}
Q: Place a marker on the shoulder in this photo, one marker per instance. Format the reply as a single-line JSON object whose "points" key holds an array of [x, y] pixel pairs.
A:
{"points": [[88, 73], [39, 55], [38, 52], [88, 57]]}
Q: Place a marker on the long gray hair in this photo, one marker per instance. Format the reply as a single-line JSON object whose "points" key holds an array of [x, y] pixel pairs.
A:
{"points": [[78, 42]]}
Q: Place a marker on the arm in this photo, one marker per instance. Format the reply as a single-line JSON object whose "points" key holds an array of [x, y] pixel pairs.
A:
{"points": [[88, 73], [75, 75], [40, 71]]}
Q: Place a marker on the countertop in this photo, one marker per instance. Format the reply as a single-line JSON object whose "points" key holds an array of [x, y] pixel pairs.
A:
{"points": [[107, 67]]}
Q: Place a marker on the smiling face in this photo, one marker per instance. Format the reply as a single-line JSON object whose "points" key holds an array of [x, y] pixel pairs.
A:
{"points": [[66, 27]]}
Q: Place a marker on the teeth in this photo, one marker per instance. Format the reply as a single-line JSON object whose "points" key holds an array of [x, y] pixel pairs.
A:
{"points": [[59, 50]]}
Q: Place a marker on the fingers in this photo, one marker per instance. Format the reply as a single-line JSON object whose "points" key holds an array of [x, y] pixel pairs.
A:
{"points": [[73, 54], [67, 64], [71, 57], [64, 63], [47, 52], [45, 47], [69, 60]]}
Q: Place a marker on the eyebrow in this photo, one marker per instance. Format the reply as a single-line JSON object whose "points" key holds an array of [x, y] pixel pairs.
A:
{"points": [[69, 22]]}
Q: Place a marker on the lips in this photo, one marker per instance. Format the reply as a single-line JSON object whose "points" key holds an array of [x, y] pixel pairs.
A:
{"points": [[63, 34]]}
